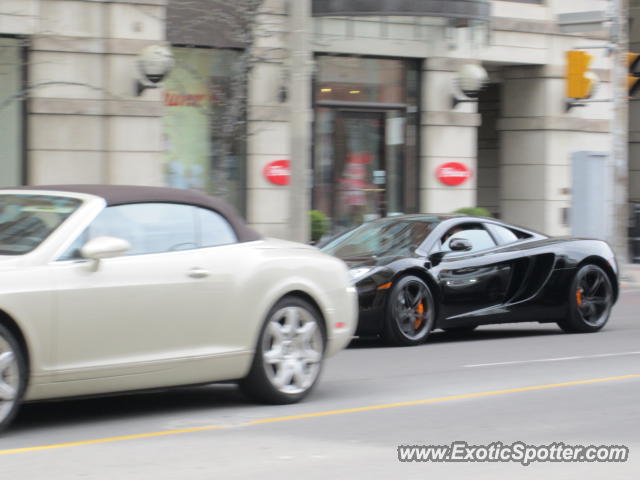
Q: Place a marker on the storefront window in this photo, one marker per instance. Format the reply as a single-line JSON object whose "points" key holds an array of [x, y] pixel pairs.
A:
{"points": [[360, 79], [365, 154], [202, 152], [11, 112]]}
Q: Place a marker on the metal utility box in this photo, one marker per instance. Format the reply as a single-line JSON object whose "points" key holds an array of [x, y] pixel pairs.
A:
{"points": [[590, 214]]}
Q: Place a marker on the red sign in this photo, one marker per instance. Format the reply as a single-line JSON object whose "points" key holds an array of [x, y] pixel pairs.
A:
{"points": [[453, 173], [277, 172]]}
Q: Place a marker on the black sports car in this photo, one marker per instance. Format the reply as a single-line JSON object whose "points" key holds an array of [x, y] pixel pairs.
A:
{"points": [[415, 273]]}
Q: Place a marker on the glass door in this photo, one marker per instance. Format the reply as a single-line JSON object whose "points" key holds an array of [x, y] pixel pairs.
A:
{"points": [[359, 167], [366, 135]]}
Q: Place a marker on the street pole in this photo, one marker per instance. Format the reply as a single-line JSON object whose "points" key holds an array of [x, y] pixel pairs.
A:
{"points": [[300, 119], [619, 130]]}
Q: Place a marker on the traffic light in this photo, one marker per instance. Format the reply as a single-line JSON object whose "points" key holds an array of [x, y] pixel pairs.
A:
{"points": [[580, 82], [633, 75]]}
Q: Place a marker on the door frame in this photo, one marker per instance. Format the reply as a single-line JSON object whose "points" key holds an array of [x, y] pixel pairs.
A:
{"points": [[339, 108]]}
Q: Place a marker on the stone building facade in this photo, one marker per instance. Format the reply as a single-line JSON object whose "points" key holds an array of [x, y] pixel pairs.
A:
{"points": [[384, 131]]}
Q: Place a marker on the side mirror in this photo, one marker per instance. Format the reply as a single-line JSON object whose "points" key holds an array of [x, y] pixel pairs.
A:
{"points": [[104, 247], [460, 245]]}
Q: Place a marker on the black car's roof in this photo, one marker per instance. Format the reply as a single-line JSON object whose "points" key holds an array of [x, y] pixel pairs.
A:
{"points": [[462, 218], [427, 217], [127, 194]]}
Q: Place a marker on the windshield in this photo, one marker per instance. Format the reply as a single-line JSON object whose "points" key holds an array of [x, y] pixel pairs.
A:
{"points": [[26, 220], [386, 238]]}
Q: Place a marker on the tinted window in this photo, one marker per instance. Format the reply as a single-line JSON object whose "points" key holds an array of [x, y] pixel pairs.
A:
{"points": [[385, 238], [214, 229], [26, 220], [504, 235], [478, 236]]}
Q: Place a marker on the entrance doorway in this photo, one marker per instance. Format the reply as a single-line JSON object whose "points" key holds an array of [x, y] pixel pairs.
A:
{"points": [[360, 170], [365, 146]]}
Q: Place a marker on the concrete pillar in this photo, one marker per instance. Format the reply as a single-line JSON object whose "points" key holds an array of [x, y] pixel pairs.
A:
{"points": [[537, 139], [446, 136], [86, 125], [268, 129]]}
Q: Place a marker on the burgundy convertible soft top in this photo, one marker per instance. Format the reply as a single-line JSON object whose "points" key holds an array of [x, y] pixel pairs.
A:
{"points": [[127, 194]]}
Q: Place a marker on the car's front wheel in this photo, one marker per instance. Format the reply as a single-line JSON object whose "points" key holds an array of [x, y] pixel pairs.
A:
{"points": [[590, 301], [289, 354], [410, 312], [13, 376]]}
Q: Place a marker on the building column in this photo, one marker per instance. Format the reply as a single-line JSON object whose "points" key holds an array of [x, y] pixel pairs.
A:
{"points": [[446, 136], [268, 205], [537, 140]]}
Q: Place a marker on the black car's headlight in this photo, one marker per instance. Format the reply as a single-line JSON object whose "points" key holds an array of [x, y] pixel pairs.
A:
{"points": [[359, 272]]}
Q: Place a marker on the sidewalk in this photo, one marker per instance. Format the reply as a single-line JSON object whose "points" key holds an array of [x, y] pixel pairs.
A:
{"points": [[630, 274]]}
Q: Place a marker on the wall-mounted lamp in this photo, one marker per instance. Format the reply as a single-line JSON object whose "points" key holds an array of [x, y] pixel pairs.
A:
{"points": [[470, 79], [153, 64]]}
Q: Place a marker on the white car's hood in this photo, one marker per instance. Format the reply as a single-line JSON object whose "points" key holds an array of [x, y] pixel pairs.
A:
{"points": [[284, 244], [9, 261]]}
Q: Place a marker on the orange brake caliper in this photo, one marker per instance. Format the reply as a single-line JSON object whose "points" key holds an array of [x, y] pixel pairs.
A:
{"points": [[579, 296], [420, 311]]}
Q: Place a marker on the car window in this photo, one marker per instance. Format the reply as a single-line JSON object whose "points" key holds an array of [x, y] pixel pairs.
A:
{"points": [[503, 235], [157, 228], [214, 229], [389, 237], [26, 220], [475, 233], [148, 227]]}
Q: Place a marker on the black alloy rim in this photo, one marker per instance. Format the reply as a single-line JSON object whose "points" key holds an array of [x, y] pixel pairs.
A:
{"points": [[412, 310], [593, 296]]}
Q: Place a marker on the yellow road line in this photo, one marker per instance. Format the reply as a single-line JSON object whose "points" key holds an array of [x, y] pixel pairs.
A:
{"points": [[439, 399], [322, 414], [111, 439]]}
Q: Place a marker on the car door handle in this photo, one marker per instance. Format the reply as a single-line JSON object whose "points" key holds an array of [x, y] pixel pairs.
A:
{"points": [[198, 272]]}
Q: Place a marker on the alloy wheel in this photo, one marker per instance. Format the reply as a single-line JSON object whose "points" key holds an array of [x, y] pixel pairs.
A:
{"points": [[410, 309], [9, 379], [292, 349], [593, 296]]}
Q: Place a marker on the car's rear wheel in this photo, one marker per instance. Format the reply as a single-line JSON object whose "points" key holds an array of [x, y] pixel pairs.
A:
{"points": [[13, 376], [590, 301], [410, 312], [289, 354]]}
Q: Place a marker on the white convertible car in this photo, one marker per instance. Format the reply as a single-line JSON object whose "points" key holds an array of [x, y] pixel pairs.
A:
{"points": [[115, 288]]}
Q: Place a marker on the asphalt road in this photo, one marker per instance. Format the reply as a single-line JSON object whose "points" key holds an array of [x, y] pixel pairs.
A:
{"points": [[371, 399]]}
